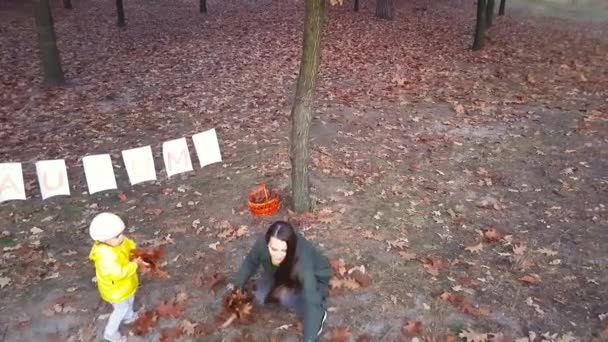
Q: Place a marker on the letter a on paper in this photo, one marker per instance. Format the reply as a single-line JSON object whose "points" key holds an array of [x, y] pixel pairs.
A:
{"points": [[11, 182]]}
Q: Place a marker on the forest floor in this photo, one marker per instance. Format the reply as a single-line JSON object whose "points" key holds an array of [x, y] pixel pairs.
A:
{"points": [[472, 186]]}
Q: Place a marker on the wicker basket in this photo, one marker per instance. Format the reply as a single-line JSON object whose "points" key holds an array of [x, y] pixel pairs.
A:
{"points": [[263, 202]]}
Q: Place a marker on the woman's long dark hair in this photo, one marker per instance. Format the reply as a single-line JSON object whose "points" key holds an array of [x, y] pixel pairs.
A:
{"points": [[284, 231]]}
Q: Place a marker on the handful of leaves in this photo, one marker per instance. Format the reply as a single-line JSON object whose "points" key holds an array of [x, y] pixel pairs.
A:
{"points": [[152, 260], [237, 306]]}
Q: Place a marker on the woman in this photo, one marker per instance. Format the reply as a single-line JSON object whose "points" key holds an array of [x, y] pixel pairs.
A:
{"points": [[295, 274]]}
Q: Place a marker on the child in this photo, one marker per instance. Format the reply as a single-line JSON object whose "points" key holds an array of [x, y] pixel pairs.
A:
{"points": [[116, 275]]}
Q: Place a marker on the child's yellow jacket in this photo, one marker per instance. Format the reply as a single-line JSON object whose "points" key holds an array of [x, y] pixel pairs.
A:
{"points": [[116, 275]]}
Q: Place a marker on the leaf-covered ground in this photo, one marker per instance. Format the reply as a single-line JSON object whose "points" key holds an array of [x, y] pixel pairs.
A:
{"points": [[471, 187]]}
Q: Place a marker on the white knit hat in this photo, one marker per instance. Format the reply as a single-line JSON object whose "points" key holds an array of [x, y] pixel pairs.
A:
{"points": [[106, 226]]}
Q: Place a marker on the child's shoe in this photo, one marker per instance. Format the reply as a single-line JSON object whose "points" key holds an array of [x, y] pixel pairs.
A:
{"points": [[115, 338], [129, 321]]}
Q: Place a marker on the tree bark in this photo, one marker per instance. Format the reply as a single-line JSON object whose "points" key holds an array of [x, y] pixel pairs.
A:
{"points": [[385, 9], [67, 4], [49, 54], [301, 112], [490, 13], [203, 6], [120, 11], [501, 10], [356, 5], [480, 28]]}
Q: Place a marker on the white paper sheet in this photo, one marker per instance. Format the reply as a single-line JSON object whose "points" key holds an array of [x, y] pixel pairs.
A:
{"points": [[176, 156], [140, 164], [11, 182], [99, 172], [53, 178], [207, 147]]}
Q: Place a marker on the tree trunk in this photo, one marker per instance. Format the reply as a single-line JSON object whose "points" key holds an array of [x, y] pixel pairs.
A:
{"points": [[480, 28], [384, 9], [301, 112], [501, 10], [203, 7], [490, 13], [121, 13], [49, 54], [356, 5], [67, 4]]}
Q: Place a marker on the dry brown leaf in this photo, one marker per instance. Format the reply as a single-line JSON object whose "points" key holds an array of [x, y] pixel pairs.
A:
{"points": [[432, 265], [171, 334], [398, 243], [472, 336], [363, 279], [492, 235], [154, 212], [364, 338], [519, 249], [412, 328], [450, 338], [145, 322], [605, 333], [475, 249], [407, 255], [547, 252], [170, 309], [348, 283], [372, 236], [216, 280], [459, 109], [531, 278], [340, 334], [188, 328], [122, 197], [338, 265]]}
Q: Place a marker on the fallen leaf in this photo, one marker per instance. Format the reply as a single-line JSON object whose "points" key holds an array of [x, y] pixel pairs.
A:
{"points": [[407, 255], [475, 249], [492, 235], [154, 212], [348, 283], [340, 334], [432, 265], [519, 249], [547, 252], [459, 109], [145, 322], [4, 281], [363, 279], [216, 280], [170, 309], [412, 328], [171, 334], [398, 243], [122, 197], [531, 278], [216, 246], [36, 230], [364, 338], [338, 265], [472, 336], [450, 338]]}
